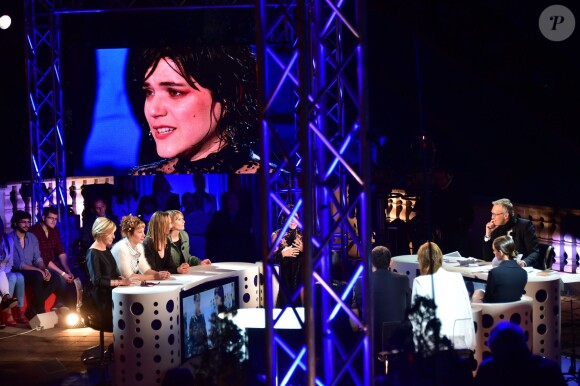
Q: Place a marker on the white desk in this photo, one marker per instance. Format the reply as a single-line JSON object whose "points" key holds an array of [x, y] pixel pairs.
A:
{"points": [[544, 289], [146, 320]]}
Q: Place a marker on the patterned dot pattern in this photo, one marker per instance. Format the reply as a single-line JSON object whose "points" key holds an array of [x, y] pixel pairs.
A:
{"points": [[139, 318], [519, 312], [147, 328], [546, 328]]}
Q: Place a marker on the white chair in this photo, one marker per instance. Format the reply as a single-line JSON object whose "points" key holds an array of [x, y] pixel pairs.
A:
{"points": [[518, 312], [545, 290], [478, 352]]}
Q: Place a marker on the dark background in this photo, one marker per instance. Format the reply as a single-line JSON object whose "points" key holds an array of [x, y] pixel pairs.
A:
{"points": [[496, 101]]}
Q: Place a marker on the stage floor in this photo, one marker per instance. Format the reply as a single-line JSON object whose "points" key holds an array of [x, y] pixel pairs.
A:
{"points": [[47, 357], [53, 356]]}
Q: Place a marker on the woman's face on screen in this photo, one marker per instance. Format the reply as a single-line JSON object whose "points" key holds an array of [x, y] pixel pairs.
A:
{"points": [[181, 118]]}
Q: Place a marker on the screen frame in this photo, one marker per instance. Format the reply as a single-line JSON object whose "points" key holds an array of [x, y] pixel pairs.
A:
{"points": [[188, 293]]}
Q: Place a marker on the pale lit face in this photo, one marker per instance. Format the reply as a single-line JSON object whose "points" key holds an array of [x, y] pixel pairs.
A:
{"points": [[50, 220], [180, 117], [108, 239], [178, 223], [499, 215], [138, 235]]}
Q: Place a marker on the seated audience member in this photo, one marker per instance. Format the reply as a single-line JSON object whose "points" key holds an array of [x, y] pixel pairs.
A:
{"points": [[512, 363], [161, 197], [156, 246], [198, 207], [54, 255], [8, 282], [129, 254], [126, 197], [505, 223], [179, 242], [97, 208], [391, 291], [506, 282], [28, 262], [448, 291], [146, 209], [229, 234], [103, 272]]}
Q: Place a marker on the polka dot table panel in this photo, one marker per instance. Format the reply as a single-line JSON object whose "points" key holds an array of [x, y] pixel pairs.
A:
{"points": [[146, 329], [545, 290], [275, 283], [407, 265], [519, 313]]}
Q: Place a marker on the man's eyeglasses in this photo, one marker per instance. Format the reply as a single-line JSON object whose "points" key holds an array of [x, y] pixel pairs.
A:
{"points": [[24, 222], [497, 214], [52, 218]]}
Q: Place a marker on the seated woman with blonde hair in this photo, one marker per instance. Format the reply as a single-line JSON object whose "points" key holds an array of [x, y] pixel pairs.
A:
{"points": [[129, 254], [448, 291]]}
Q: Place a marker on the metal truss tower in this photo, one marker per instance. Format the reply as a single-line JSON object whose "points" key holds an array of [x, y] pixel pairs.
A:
{"points": [[313, 55], [312, 75], [45, 109]]}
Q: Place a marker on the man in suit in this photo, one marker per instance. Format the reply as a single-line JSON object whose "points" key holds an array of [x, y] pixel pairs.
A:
{"points": [[391, 291], [504, 222]]}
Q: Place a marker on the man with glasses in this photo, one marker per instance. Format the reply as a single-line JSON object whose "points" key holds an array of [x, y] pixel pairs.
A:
{"points": [[28, 261], [503, 222], [53, 254]]}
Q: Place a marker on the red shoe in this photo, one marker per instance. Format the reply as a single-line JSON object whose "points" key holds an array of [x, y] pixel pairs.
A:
{"points": [[8, 319], [10, 322]]}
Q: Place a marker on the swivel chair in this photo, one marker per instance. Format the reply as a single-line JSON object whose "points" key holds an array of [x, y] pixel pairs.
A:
{"points": [[547, 255], [96, 355]]}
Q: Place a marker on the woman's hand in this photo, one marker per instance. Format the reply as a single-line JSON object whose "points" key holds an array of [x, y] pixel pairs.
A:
{"points": [[124, 281], [298, 244], [205, 262], [183, 268], [162, 275], [290, 251]]}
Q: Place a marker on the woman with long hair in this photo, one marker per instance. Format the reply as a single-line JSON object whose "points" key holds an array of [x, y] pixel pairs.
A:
{"points": [[179, 242], [156, 245]]}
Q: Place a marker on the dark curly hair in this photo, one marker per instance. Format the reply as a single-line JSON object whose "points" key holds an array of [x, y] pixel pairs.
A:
{"points": [[229, 73]]}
